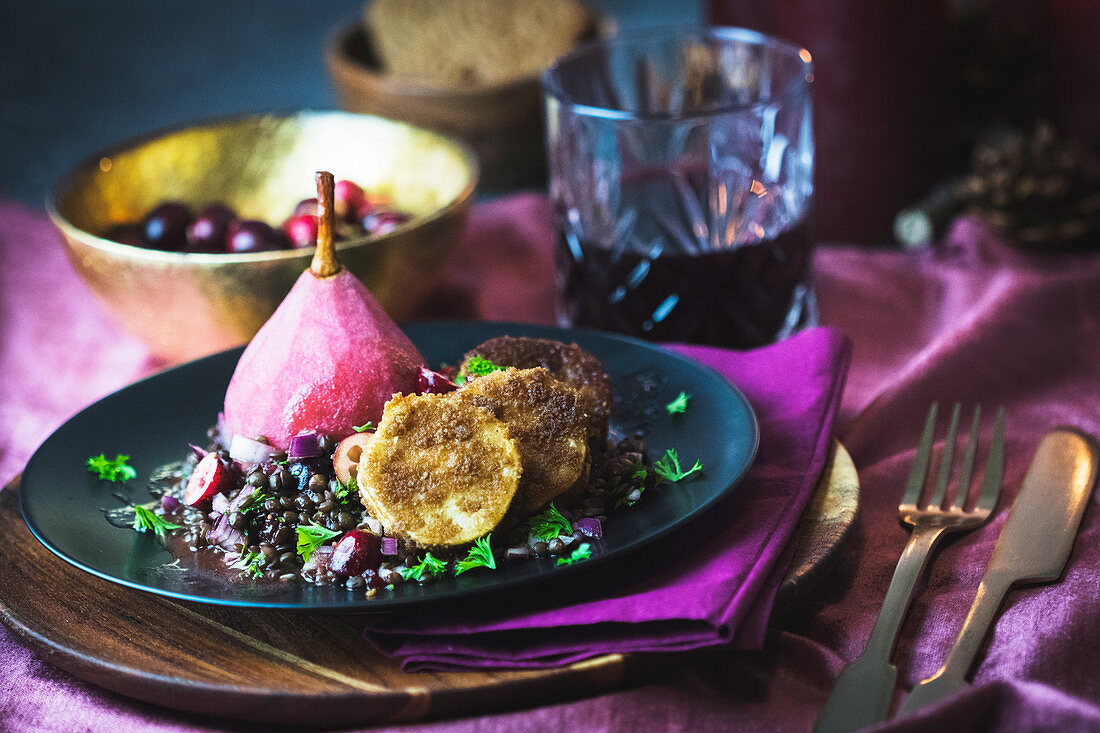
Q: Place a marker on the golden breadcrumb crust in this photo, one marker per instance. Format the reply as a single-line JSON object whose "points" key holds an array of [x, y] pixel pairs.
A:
{"points": [[568, 363], [440, 471], [549, 421]]}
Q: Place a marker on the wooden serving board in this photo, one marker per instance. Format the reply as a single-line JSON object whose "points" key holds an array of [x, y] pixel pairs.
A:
{"points": [[283, 667]]}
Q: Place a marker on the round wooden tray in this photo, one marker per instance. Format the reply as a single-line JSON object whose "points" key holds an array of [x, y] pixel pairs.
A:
{"points": [[307, 669]]}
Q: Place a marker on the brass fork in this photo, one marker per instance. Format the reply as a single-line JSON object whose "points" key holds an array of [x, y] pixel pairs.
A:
{"points": [[862, 694]]}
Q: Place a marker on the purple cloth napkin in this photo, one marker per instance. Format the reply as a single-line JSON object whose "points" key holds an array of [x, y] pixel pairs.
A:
{"points": [[721, 590]]}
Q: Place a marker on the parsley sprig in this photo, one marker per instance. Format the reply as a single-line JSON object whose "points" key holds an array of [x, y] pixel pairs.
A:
{"points": [[668, 467], [368, 425], [679, 405], [111, 469], [249, 564], [581, 553], [481, 556], [478, 366], [549, 524], [255, 501], [312, 536], [146, 521], [427, 567], [346, 491]]}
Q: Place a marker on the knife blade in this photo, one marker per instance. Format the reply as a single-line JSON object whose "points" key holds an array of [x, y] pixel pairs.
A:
{"points": [[1033, 547]]}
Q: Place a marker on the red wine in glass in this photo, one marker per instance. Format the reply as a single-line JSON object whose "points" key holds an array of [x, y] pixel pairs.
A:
{"points": [[671, 285]]}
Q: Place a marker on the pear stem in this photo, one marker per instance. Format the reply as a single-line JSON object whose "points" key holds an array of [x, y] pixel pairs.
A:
{"points": [[325, 262]]}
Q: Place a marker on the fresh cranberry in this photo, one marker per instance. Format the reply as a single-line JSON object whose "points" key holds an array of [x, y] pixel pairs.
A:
{"points": [[301, 230], [211, 476], [429, 382], [253, 236], [347, 198], [382, 222], [207, 232], [357, 551], [306, 206], [165, 227]]}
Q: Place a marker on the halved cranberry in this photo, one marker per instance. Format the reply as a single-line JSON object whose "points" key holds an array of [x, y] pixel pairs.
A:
{"points": [[430, 382], [211, 476], [346, 458], [357, 551]]}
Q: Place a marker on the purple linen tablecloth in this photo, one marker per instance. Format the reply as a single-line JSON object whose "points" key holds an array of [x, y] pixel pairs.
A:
{"points": [[974, 321]]}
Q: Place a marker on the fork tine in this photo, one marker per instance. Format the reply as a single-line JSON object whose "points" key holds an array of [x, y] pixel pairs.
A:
{"points": [[920, 462], [948, 457], [991, 484], [968, 461]]}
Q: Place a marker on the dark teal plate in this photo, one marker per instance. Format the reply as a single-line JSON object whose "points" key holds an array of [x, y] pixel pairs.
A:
{"points": [[154, 420]]}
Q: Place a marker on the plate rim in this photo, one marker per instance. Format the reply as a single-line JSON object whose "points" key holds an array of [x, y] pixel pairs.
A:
{"points": [[383, 604]]}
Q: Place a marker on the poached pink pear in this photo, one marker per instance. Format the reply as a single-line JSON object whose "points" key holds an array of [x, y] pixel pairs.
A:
{"points": [[328, 359]]}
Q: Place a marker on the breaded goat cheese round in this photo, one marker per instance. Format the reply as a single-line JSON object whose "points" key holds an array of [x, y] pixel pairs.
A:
{"points": [[439, 471], [549, 421], [567, 363]]}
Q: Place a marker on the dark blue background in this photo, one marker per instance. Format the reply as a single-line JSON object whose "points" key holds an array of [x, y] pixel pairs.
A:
{"points": [[77, 76]]}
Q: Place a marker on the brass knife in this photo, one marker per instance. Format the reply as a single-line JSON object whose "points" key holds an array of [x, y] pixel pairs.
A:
{"points": [[1033, 546]]}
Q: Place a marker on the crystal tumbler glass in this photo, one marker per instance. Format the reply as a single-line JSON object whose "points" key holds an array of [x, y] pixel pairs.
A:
{"points": [[681, 178]]}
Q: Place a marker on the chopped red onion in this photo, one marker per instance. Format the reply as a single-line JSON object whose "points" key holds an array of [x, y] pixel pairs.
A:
{"points": [[200, 453], [389, 545], [247, 450], [169, 503], [304, 445], [517, 553], [220, 503], [240, 499], [320, 560], [222, 533], [589, 527]]}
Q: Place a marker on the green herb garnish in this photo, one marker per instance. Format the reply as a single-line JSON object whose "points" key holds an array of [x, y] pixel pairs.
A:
{"points": [[249, 564], [255, 500], [110, 469], [146, 521], [550, 524], [312, 536], [344, 491], [368, 425], [668, 468], [678, 405], [641, 473], [581, 553], [481, 556], [478, 366], [430, 565]]}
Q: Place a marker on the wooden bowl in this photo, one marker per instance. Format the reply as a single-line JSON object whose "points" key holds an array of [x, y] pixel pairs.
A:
{"points": [[188, 305], [501, 122]]}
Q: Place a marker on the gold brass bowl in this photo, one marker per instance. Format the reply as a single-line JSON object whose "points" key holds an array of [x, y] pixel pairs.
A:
{"points": [[188, 305]]}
